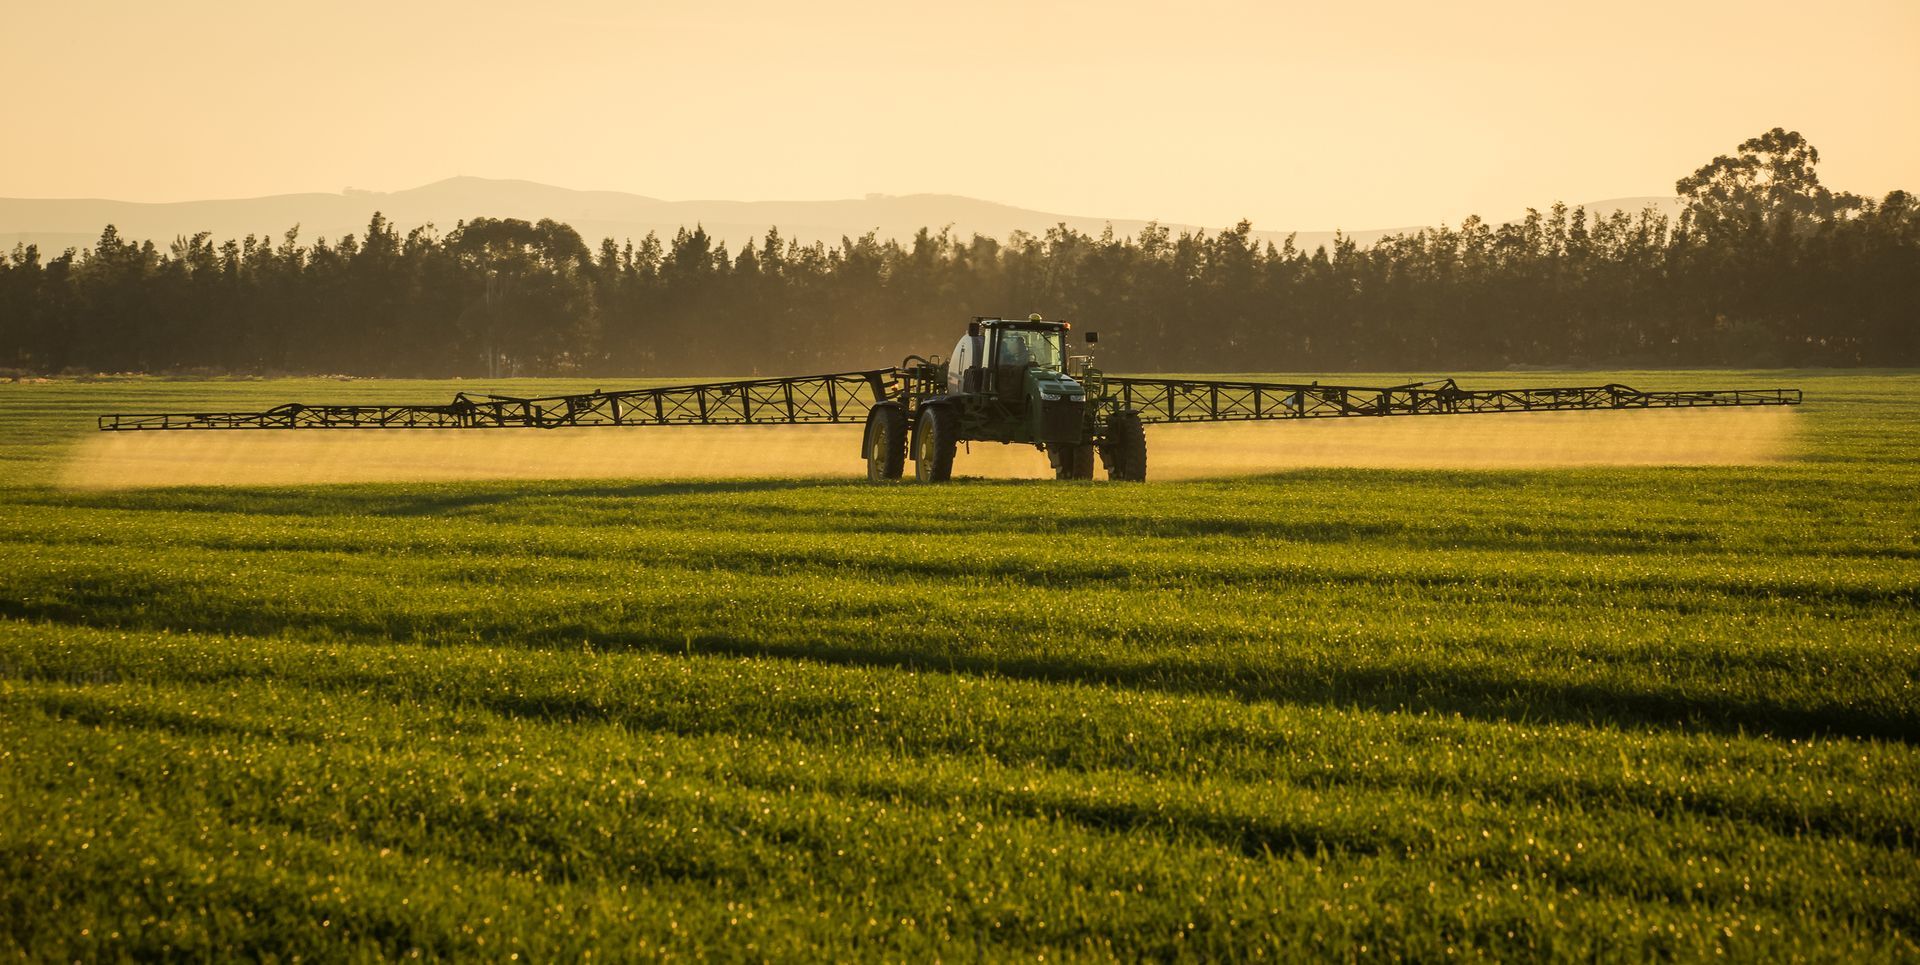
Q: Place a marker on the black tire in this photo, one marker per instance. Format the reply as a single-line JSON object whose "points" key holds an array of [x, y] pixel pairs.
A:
{"points": [[885, 445], [934, 443], [1125, 449], [1074, 462]]}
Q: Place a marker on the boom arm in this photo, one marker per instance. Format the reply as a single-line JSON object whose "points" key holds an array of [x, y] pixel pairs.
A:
{"points": [[1189, 400], [837, 397]]}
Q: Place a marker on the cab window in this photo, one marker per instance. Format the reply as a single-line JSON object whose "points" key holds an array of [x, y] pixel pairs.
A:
{"points": [[1017, 347]]}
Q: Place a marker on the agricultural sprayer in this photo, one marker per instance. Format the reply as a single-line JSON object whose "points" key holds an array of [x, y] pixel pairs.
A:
{"points": [[1007, 381]]}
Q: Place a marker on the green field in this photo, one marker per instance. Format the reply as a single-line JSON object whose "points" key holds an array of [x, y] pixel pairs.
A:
{"points": [[1614, 712]]}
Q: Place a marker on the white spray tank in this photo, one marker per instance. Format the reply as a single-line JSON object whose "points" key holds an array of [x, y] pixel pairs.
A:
{"points": [[965, 372]]}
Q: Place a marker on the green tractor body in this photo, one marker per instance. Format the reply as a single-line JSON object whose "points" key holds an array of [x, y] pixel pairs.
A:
{"points": [[1008, 381]]}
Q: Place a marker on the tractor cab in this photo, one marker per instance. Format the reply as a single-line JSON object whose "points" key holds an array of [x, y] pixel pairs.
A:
{"points": [[997, 356]]}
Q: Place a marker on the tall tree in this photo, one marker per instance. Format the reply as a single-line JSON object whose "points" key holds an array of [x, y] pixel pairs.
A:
{"points": [[1769, 178]]}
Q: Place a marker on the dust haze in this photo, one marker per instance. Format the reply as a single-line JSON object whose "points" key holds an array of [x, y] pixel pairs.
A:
{"points": [[1544, 440], [1533, 440]]}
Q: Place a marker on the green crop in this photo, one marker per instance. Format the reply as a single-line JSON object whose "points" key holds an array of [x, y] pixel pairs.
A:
{"points": [[1596, 713]]}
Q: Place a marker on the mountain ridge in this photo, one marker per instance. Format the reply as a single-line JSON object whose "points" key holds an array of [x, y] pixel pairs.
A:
{"points": [[59, 223]]}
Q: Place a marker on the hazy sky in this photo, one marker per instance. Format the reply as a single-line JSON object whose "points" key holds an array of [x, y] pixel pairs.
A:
{"points": [[1298, 116]]}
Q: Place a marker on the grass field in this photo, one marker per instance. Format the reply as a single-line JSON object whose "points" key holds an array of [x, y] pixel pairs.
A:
{"points": [[1606, 712]]}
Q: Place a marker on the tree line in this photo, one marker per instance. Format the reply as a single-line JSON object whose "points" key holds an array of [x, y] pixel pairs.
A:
{"points": [[1764, 266]]}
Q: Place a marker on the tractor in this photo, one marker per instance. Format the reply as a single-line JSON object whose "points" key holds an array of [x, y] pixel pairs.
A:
{"points": [[1007, 381]]}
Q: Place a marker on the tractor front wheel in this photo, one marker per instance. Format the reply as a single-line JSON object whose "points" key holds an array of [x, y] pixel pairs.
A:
{"points": [[934, 444], [886, 443], [1125, 449], [1073, 462]]}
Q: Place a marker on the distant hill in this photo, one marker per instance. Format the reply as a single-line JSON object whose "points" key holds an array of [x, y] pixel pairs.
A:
{"points": [[56, 224]]}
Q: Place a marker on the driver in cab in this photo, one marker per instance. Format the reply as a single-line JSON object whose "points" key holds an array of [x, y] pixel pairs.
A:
{"points": [[1014, 359], [1013, 350]]}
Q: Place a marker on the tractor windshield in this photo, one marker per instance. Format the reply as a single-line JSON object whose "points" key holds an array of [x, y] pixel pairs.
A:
{"points": [[1018, 347]]}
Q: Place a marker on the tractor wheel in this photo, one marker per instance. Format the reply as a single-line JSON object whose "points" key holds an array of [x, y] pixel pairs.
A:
{"points": [[1074, 462], [886, 443], [934, 443], [1125, 452]]}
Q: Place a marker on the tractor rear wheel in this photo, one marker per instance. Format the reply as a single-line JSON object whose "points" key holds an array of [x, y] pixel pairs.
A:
{"points": [[934, 444], [1074, 462], [1125, 450], [886, 443]]}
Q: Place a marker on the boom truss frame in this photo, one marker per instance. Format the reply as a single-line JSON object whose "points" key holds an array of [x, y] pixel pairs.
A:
{"points": [[841, 397]]}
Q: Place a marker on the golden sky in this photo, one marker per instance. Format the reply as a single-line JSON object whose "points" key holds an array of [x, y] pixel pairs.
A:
{"points": [[1298, 116]]}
